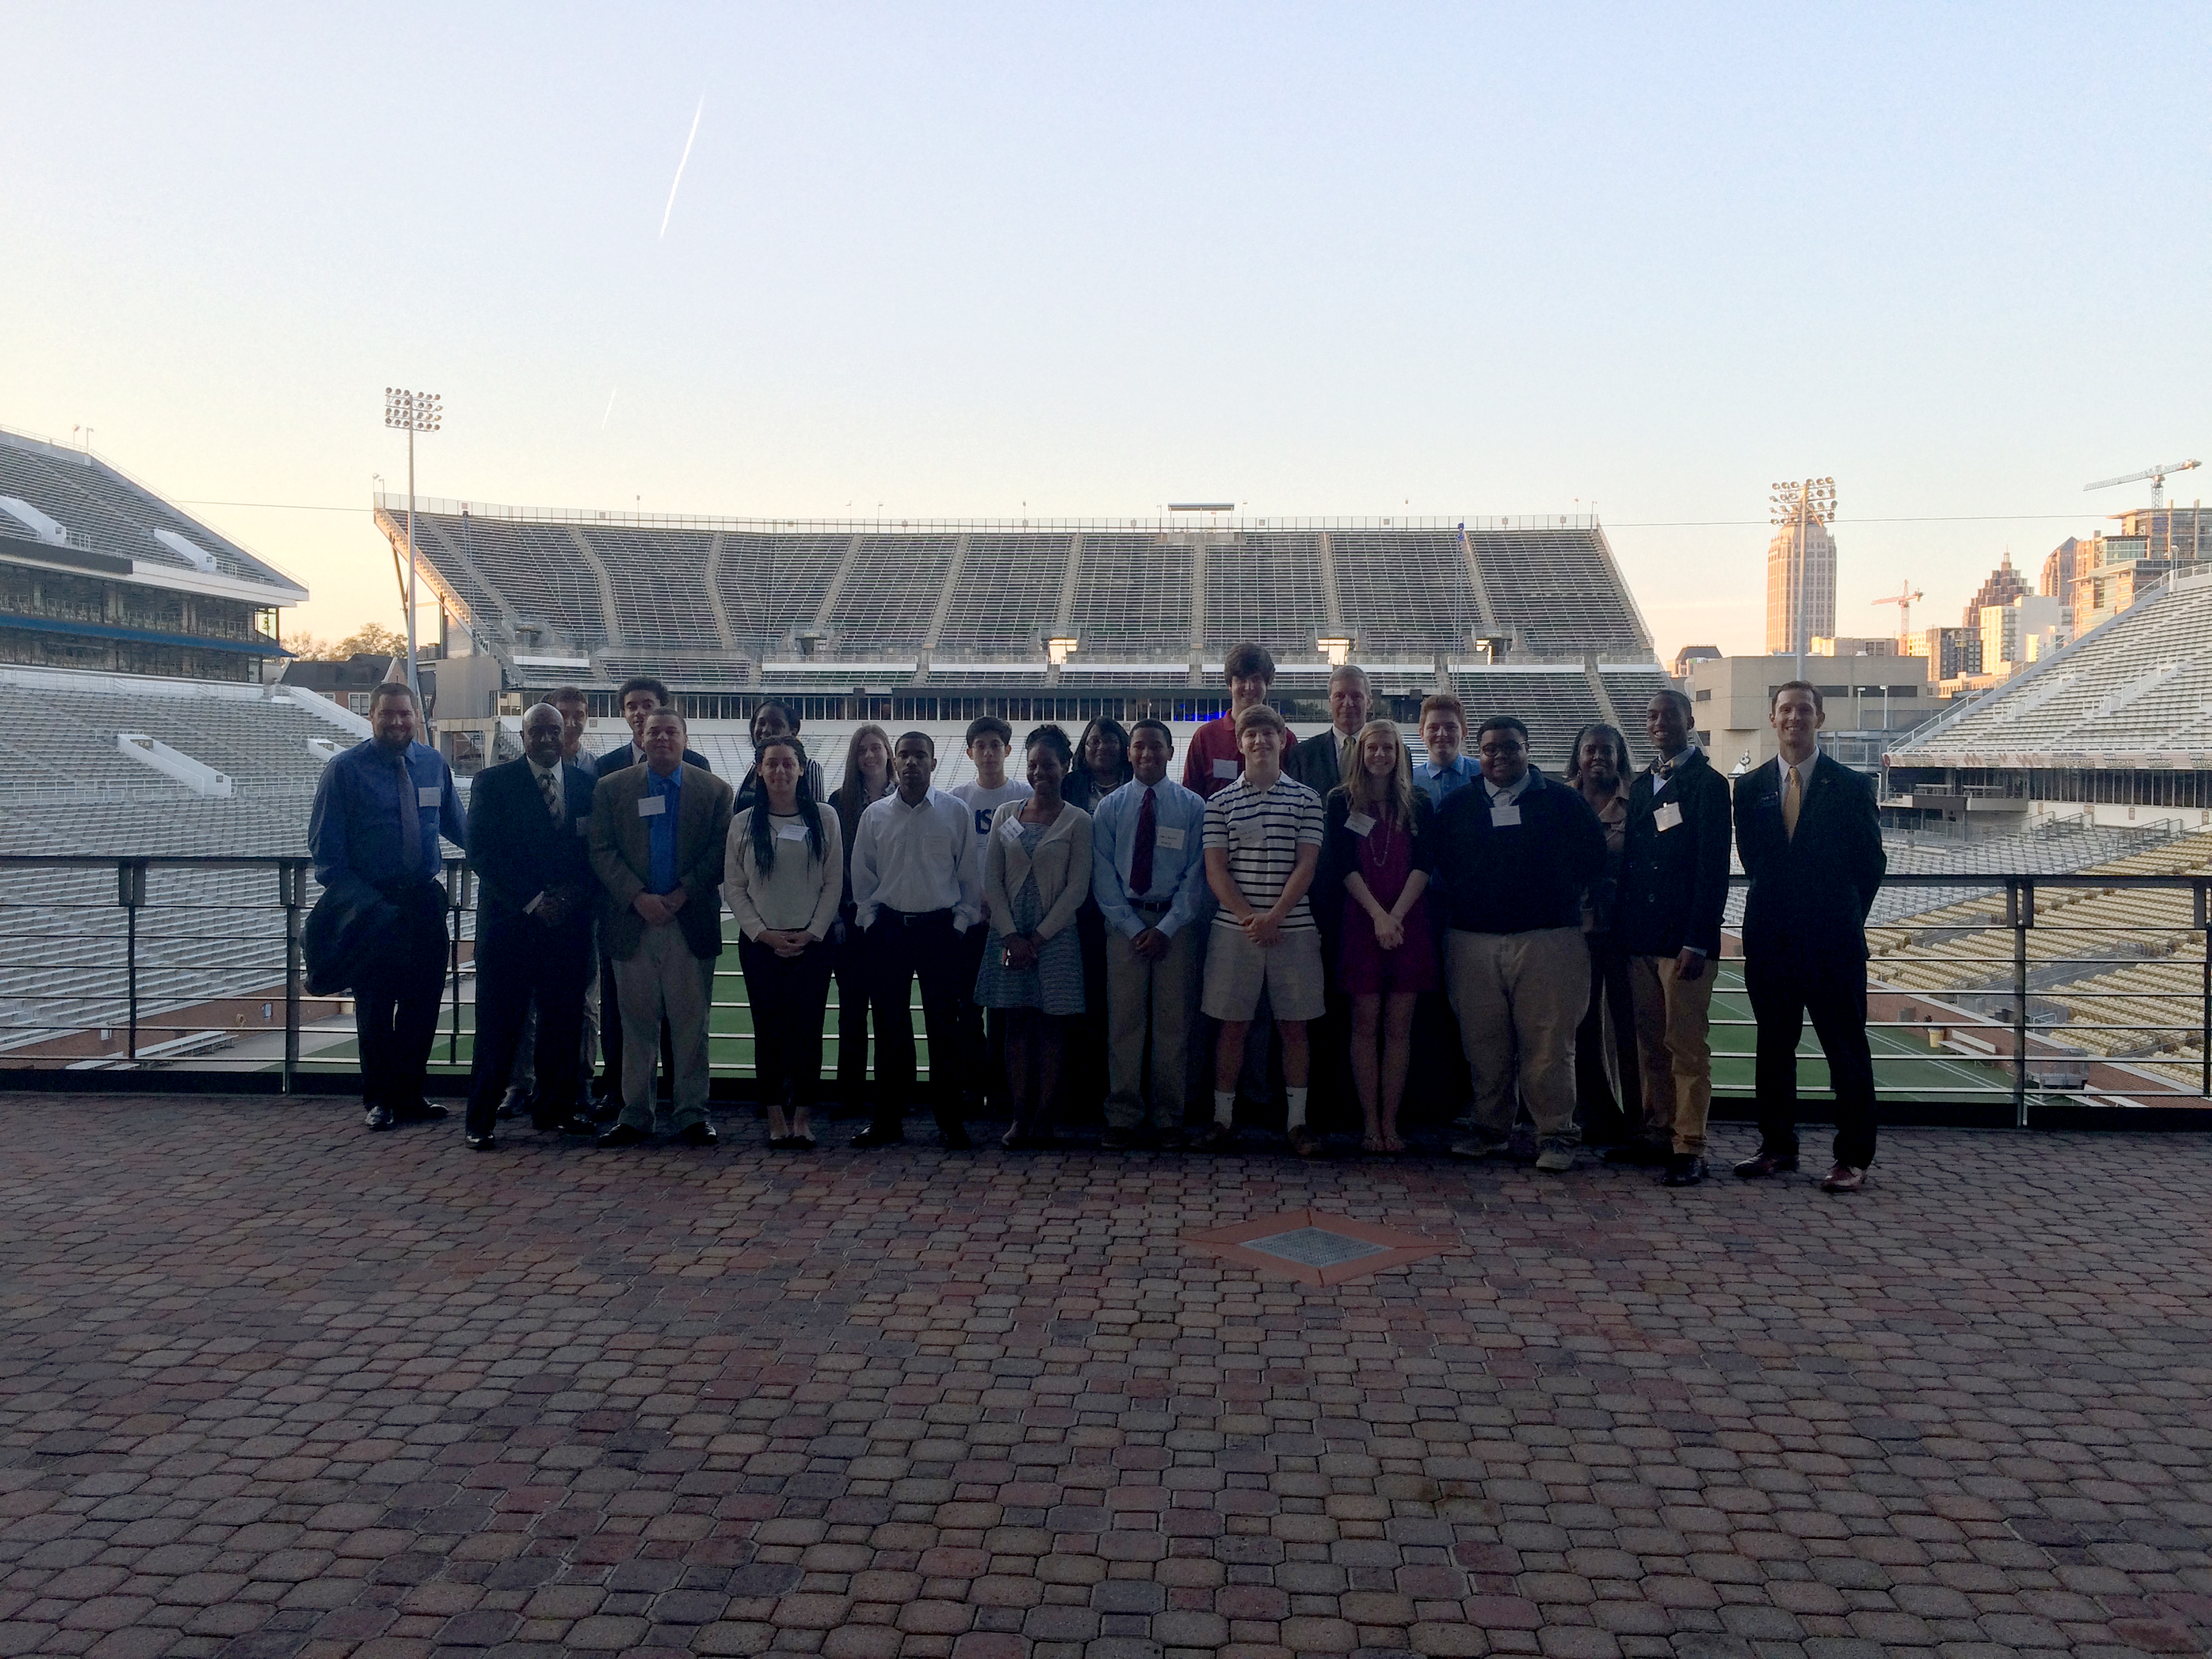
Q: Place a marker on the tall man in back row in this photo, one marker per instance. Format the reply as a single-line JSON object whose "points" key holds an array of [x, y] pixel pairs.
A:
{"points": [[1810, 839]]}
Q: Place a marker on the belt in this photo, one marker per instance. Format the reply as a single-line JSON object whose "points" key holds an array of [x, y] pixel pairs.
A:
{"points": [[1154, 906], [914, 918]]}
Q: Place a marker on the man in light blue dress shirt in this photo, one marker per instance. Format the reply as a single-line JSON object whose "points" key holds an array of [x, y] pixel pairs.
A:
{"points": [[1443, 734], [1148, 875]]}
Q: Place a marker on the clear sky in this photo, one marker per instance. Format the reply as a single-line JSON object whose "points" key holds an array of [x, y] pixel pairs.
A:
{"points": [[1068, 260]]}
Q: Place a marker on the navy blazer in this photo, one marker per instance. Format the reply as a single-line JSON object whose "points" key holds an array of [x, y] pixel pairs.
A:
{"points": [[1673, 881], [516, 849], [1810, 894], [617, 760]]}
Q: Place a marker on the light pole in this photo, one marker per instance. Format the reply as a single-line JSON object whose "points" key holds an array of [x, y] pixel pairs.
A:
{"points": [[1801, 503], [412, 412]]}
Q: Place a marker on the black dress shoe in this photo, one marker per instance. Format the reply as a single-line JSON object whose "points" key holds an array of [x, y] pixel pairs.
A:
{"points": [[378, 1117], [1683, 1169], [876, 1136], [420, 1111], [622, 1135], [1767, 1163], [698, 1134], [482, 1143], [955, 1137]]}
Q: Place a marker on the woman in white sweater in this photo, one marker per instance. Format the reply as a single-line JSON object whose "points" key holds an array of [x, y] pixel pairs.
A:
{"points": [[783, 875]]}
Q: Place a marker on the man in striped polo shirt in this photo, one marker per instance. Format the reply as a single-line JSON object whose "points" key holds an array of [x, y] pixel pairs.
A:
{"points": [[1263, 836]]}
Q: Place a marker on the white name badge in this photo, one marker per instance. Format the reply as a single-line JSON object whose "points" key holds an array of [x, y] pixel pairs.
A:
{"points": [[1170, 839], [1358, 823], [791, 832], [652, 806], [1011, 829], [1225, 769], [1668, 817], [427, 795], [1505, 817]]}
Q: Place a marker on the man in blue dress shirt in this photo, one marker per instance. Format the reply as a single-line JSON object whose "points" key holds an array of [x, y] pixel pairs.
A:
{"points": [[1443, 733], [1148, 857], [379, 811]]}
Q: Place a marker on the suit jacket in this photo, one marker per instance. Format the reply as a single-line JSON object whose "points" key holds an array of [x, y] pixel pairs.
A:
{"points": [[1062, 863], [1314, 762], [621, 858], [1809, 895], [516, 849], [619, 760], [1673, 881]]}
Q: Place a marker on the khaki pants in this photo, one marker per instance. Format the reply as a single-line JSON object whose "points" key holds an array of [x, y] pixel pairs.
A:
{"points": [[664, 978], [1162, 995], [1519, 997], [1674, 1050]]}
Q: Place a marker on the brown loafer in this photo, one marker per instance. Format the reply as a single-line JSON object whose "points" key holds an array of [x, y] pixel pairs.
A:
{"points": [[1767, 1164], [1843, 1179]]}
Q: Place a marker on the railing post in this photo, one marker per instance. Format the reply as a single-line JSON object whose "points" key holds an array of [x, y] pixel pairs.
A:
{"points": [[2204, 1002], [130, 894], [2020, 914], [292, 894], [464, 880]]}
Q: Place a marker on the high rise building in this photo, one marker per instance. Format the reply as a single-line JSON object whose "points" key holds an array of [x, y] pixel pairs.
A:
{"points": [[2004, 585], [2058, 581], [1801, 552]]}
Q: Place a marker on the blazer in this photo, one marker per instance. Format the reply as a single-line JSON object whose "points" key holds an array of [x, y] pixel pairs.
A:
{"points": [[619, 760], [621, 858], [515, 848], [1809, 895], [1062, 865], [1314, 762], [1673, 881]]}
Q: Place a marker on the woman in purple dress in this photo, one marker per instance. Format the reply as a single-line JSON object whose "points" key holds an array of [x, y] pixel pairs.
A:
{"points": [[1379, 847]]}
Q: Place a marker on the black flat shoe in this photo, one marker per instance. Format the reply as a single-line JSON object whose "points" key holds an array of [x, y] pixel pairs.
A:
{"points": [[698, 1134], [378, 1117], [622, 1135], [872, 1136], [482, 1143]]}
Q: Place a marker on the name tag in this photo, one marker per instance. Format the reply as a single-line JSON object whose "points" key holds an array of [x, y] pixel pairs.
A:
{"points": [[1358, 823], [1668, 817], [1225, 769], [1170, 839], [791, 832], [428, 794], [652, 806], [1505, 817], [1011, 829]]}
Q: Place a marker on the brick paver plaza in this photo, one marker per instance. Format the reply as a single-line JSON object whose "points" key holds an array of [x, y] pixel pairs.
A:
{"points": [[269, 1386]]}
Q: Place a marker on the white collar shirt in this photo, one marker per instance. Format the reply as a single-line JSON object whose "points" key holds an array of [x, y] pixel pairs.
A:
{"points": [[1512, 792], [1660, 781], [1804, 769], [917, 859]]}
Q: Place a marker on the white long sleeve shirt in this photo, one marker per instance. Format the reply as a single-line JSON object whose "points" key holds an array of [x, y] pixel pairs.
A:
{"points": [[917, 859]]}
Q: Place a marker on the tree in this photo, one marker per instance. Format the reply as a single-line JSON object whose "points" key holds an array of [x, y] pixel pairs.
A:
{"points": [[371, 639]]}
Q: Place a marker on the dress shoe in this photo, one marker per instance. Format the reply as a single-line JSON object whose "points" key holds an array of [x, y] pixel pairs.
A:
{"points": [[512, 1102], [1683, 1169], [1767, 1164], [420, 1111], [622, 1135], [379, 1117], [698, 1134], [1843, 1179], [581, 1124], [876, 1136], [1214, 1138], [1116, 1140], [482, 1143], [1636, 1154], [1306, 1144], [955, 1137]]}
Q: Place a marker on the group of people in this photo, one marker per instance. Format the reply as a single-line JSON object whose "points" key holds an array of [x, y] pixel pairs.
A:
{"points": [[1302, 902]]}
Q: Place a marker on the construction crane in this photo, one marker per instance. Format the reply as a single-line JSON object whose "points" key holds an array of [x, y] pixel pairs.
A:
{"points": [[2157, 476], [1903, 600]]}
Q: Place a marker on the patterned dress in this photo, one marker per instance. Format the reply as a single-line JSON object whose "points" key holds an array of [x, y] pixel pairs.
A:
{"points": [[1055, 983]]}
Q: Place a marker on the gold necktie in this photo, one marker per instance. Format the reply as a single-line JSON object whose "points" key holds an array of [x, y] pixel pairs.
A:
{"points": [[1792, 800]]}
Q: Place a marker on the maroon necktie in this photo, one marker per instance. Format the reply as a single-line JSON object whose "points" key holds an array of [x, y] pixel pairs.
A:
{"points": [[1140, 855]]}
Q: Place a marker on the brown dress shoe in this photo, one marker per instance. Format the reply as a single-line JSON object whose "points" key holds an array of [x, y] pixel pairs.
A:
{"points": [[1767, 1164], [1843, 1179]]}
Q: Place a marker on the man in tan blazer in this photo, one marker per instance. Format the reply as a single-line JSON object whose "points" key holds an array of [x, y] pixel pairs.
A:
{"points": [[657, 836]]}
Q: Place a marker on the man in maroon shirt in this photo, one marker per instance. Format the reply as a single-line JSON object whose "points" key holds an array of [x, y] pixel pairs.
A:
{"points": [[1213, 761]]}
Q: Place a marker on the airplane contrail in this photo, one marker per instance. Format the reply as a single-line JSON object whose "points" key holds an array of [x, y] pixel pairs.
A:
{"points": [[611, 410], [693, 133]]}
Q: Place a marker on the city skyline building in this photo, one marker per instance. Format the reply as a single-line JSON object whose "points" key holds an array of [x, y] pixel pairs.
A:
{"points": [[1804, 551]]}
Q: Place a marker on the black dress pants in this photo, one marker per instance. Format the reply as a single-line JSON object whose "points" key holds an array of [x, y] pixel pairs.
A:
{"points": [[849, 960], [1831, 987], [903, 948], [518, 959], [396, 994], [790, 999]]}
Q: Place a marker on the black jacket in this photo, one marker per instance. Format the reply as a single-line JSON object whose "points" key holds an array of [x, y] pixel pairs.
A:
{"points": [[1673, 881], [1315, 762], [1517, 879], [1809, 895], [515, 848]]}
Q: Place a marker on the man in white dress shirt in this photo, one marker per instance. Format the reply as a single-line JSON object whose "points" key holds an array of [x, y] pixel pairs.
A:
{"points": [[917, 887]]}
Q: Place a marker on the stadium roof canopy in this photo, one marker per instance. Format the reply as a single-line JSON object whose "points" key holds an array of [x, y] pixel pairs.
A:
{"points": [[2132, 694]]}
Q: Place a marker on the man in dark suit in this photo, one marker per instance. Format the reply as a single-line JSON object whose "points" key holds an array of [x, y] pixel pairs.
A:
{"points": [[658, 837], [1667, 920], [1810, 841], [637, 697], [526, 827], [1318, 763]]}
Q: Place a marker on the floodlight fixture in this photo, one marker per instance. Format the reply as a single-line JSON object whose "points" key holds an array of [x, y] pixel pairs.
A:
{"points": [[412, 412]]}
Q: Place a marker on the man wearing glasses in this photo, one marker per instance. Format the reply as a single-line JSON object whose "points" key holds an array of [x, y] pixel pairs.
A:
{"points": [[1515, 853]]}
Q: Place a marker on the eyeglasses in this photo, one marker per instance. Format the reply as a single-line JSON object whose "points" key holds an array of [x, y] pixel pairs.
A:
{"points": [[1500, 750]]}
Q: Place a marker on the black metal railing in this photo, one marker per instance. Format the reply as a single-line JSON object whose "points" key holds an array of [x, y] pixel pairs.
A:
{"points": [[2006, 990]]}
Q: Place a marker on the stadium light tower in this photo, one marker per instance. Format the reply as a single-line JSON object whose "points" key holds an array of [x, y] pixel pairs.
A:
{"points": [[1801, 503], [412, 412]]}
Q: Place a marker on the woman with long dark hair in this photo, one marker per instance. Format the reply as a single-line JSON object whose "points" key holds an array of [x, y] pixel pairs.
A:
{"points": [[867, 780], [776, 719], [1608, 1087], [783, 877]]}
